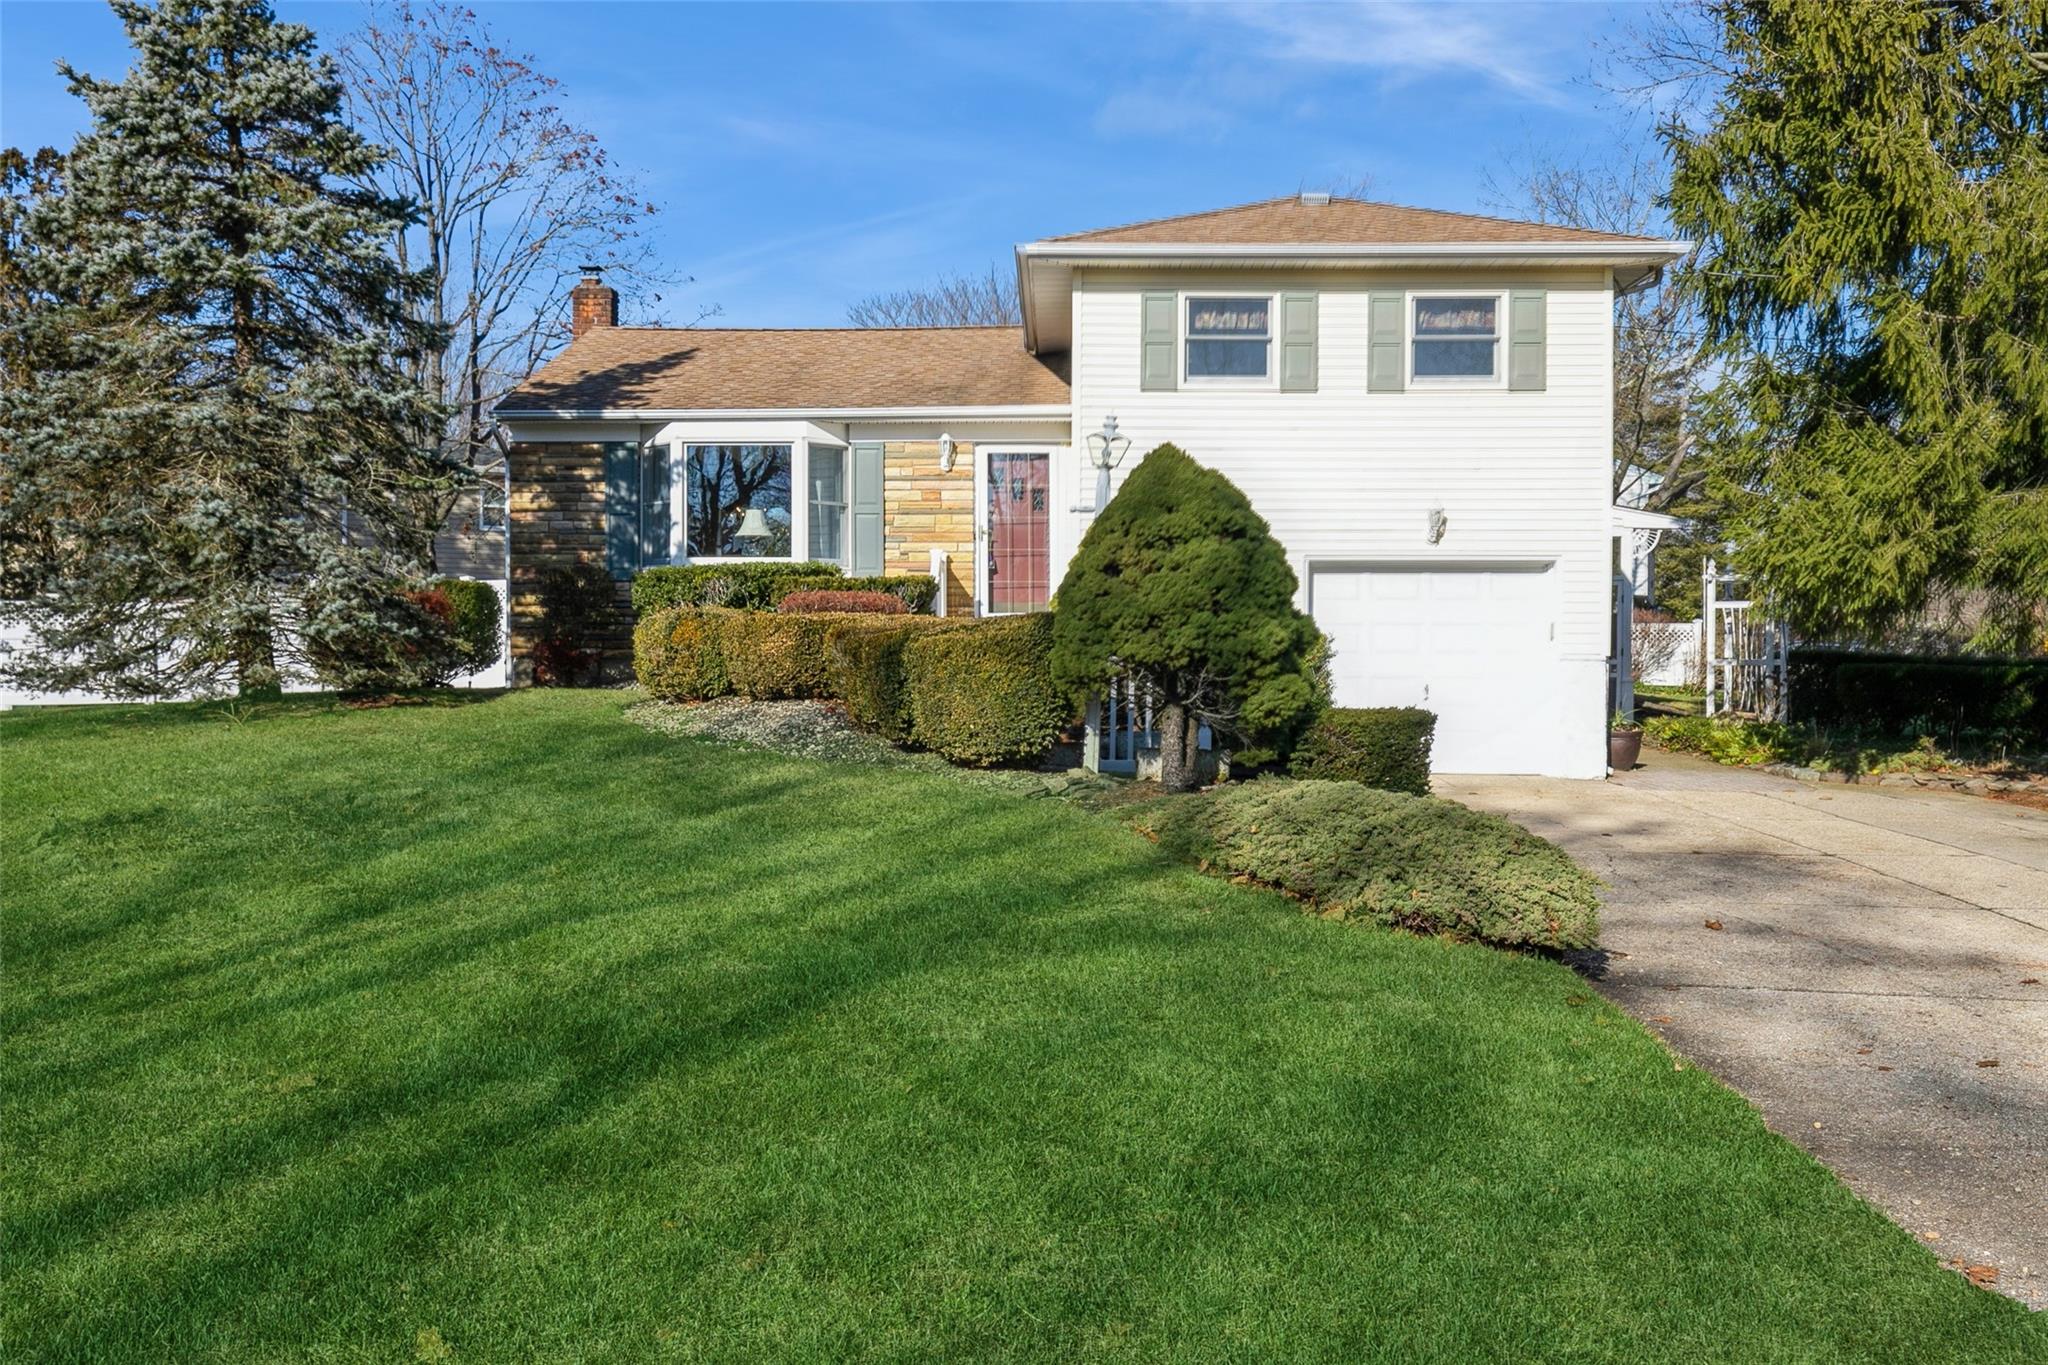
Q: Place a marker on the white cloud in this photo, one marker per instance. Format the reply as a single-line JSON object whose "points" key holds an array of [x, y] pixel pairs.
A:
{"points": [[1247, 55], [1407, 40]]}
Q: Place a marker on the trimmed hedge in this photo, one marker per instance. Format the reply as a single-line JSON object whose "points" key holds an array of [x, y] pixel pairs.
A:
{"points": [[1900, 694], [982, 693], [775, 658], [917, 591], [1410, 862], [821, 599], [1381, 746], [743, 587], [758, 587], [865, 666], [476, 617], [678, 654]]}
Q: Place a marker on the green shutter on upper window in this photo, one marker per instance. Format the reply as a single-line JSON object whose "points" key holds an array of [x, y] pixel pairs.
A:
{"points": [[654, 506], [1527, 342], [1159, 359], [621, 508], [1298, 343], [864, 507], [1386, 367]]}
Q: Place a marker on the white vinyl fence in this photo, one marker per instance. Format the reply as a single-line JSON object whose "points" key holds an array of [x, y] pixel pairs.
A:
{"points": [[1667, 653], [13, 638]]}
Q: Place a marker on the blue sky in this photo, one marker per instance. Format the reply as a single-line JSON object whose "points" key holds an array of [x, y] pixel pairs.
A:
{"points": [[807, 155]]}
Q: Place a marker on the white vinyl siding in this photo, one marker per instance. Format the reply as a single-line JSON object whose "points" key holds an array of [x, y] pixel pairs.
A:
{"points": [[1343, 473]]}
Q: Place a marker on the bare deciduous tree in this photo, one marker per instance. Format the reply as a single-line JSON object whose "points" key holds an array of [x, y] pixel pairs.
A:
{"points": [[1658, 361], [511, 198], [950, 301]]}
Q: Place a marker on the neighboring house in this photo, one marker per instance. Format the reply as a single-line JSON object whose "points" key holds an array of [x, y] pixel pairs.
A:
{"points": [[1420, 403]]}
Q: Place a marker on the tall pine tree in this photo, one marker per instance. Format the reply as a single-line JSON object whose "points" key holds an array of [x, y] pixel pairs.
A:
{"points": [[219, 447], [1870, 188]]}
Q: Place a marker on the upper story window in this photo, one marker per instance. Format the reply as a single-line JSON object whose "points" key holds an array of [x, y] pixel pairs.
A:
{"points": [[736, 499], [1229, 337], [1456, 338]]}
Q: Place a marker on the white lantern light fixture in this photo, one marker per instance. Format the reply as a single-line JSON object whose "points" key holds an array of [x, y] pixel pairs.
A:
{"points": [[1106, 449], [753, 526], [1438, 524], [945, 453]]}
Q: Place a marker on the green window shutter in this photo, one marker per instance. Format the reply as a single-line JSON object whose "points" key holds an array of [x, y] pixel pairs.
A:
{"points": [[1159, 362], [864, 503], [654, 506], [622, 508], [1298, 343], [1526, 339], [1386, 364]]}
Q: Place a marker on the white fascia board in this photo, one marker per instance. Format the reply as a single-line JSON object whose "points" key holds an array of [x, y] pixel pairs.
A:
{"points": [[1024, 302], [1367, 253], [1637, 519], [1022, 412]]}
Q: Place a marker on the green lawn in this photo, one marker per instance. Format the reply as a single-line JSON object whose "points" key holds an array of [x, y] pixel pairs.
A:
{"points": [[512, 1031]]}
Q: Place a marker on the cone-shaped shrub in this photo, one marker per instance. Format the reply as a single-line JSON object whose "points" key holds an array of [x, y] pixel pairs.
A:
{"points": [[1180, 584]]}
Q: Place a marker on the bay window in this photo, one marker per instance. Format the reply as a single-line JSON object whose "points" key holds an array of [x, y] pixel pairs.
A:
{"points": [[736, 499], [828, 503]]}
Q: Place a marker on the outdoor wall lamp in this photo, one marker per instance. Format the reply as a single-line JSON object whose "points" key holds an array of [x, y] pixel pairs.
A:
{"points": [[945, 453], [1438, 522], [1106, 449]]}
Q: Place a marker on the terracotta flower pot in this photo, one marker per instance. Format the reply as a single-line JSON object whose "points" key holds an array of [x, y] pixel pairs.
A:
{"points": [[1624, 747]]}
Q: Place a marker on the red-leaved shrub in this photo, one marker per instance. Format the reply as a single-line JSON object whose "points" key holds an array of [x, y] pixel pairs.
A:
{"points": [[822, 599]]}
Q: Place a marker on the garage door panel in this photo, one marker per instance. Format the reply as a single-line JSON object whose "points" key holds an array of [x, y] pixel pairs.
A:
{"points": [[1474, 644]]}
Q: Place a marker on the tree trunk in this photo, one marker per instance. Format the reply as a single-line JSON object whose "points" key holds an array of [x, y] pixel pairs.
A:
{"points": [[1176, 773], [256, 665]]}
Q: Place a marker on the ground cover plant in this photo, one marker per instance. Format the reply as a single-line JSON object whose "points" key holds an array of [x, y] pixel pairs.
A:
{"points": [[1740, 743], [1409, 862], [503, 1030]]}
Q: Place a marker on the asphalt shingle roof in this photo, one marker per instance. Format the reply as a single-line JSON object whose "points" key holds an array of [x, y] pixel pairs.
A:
{"points": [[824, 369], [1290, 221]]}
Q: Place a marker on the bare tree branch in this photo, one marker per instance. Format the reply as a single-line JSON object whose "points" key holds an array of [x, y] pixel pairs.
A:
{"points": [[511, 199], [950, 301], [1658, 360]]}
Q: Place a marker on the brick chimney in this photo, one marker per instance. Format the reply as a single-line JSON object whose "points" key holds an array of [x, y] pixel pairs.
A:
{"points": [[592, 303]]}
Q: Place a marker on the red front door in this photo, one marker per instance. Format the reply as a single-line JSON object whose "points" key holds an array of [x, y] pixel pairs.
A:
{"points": [[1019, 531]]}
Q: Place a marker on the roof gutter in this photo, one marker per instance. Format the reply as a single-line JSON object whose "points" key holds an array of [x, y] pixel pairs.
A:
{"points": [[1377, 253], [1017, 412]]}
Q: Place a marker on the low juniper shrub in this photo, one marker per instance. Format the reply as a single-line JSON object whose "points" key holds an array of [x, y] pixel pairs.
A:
{"points": [[1411, 862]]}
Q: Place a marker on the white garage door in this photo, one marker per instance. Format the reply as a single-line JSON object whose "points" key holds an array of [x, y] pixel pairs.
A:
{"points": [[1472, 643]]}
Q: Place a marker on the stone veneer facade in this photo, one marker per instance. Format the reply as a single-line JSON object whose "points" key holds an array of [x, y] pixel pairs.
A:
{"points": [[558, 518], [925, 508]]}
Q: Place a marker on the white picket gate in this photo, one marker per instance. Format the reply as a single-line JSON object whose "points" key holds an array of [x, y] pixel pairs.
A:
{"points": [[1746, 651]]}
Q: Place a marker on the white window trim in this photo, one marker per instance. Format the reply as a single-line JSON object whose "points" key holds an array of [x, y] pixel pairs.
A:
{"points": [[679, 501], [1498, 379], [1270, 380], [845, 450], [981, 527]]}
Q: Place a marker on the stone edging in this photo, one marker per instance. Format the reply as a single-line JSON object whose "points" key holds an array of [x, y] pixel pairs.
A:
{"points": [[1974, 783]]}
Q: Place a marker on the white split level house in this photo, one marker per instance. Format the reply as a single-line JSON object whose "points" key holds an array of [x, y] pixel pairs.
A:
{"points": [[1420, 404]]}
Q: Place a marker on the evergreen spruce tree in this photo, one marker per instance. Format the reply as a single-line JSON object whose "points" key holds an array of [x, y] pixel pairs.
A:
{"points": [[219, 438], [1180, 585], [1870, 189]]}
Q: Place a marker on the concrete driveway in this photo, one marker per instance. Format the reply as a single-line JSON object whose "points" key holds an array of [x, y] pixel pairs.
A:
{"points": [[1877, 984]]}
